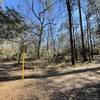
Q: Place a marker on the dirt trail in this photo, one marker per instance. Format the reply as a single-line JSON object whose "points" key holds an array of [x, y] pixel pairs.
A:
{"points": [[80, 84]]}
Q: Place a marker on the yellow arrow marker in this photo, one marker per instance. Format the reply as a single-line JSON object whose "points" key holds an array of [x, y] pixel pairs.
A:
{"points": [[23, 62]]}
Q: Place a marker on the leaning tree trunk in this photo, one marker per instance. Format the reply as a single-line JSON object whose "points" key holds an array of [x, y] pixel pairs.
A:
{"points": [[82, 35], [70, 30]]}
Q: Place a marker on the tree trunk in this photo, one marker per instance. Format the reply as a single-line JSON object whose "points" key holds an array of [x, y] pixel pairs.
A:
{"points": [[75, 50], [19, 57], [98, 21], [38, 48], [82, 35], [91, 44], [47, 42], [70, 30], [88, 39], [53, 42]]}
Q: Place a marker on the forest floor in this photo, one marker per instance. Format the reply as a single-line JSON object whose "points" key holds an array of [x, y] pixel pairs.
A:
{"points": [[55, 82]]}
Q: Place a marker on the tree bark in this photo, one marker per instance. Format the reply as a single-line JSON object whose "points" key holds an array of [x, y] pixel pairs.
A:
{"points": [[88, 38], [70, 30], [47, 41], [82, 35], [75, 50], [38, 48], [91, 44]]}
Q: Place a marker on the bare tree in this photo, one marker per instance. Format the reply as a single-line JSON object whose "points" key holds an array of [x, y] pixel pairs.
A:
{"points": [[41, 17]]}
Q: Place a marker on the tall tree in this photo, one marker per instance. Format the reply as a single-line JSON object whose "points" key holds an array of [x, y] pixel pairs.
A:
{"points": [[82, 34], [68, 3]]}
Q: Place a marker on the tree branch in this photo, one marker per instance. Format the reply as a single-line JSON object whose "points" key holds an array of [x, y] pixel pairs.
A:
{"points": [[48, 7], [32, 9], [48, 24]]}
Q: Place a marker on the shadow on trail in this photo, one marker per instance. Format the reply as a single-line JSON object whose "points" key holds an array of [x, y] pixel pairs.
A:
{"points": [[87, 92], [10, 66], [50, 73]]}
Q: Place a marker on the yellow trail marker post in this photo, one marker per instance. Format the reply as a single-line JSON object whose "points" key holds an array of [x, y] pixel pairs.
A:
{"points": [[23, 62]]}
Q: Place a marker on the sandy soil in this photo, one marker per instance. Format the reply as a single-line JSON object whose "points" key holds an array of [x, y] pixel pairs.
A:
{"points": [[77, 83]]}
